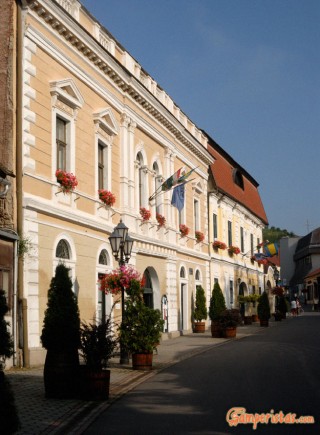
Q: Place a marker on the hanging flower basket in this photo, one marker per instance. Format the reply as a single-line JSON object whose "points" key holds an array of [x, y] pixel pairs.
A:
{"points": [[161, 220], [233, 250], [119, 278], [219, 245], [199, 236], [67, 180], [184, 230], [145, 214], [107, 197]]}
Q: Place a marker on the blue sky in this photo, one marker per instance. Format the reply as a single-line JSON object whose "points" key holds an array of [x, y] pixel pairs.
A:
{"points": [[248, 73]]}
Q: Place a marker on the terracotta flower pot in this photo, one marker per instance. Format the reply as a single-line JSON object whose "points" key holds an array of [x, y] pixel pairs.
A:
{"points": [[199, 327], [230, 332], [142, 361], [216, 331]]}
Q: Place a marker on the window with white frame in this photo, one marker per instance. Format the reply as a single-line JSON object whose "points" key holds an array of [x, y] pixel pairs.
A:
{"points": [[66, 100], [157, 184], [196, 211], [64, 253], [215, 225], [242, 239], [104, 302], [63, 142], [102, 165], [142, 180], [231, 292], [251, 244], [229, 233]]}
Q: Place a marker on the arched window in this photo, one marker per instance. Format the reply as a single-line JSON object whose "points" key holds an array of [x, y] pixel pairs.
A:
{"points": [[182, 272], [197, 275], [63, 250], [104, 257]]}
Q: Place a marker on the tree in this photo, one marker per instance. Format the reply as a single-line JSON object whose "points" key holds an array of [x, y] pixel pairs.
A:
{"points": [[217, 302], [200, 311], [61, 337], [273, 234]]}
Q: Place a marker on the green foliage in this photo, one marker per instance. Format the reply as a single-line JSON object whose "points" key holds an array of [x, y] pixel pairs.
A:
{"points": [[273, 234], [6, 343], [9, 420], [217, 302], [264, 307], [200, 310], [282, 305], [141, 327], [97, 343], [229, 318], [249, 298], [61, 325]]}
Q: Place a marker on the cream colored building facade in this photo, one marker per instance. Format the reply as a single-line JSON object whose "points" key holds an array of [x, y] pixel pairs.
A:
{"points": [[88, 105]]}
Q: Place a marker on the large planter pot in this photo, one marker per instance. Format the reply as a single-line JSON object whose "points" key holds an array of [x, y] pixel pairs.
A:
{"points": [[142, 361], [61, 374], [94, 384], [230, 332], [264, 322], [216, 331], [199, 327]]}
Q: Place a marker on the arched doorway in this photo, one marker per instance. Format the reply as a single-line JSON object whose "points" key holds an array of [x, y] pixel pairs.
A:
{"points": [[242, 292], [151, 288]]}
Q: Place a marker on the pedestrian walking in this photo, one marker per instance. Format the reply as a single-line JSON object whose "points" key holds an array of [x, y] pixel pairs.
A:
{"points": [[294, 307]]}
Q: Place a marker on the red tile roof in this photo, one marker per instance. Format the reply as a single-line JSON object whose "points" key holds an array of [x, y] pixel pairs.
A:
{"points": [[223, 173]]}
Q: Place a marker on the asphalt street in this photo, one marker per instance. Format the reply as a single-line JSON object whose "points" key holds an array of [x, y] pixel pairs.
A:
{"points": [[275, 372]]}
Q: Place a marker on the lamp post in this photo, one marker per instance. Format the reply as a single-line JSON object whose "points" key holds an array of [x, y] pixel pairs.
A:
{"points": [[121, 245]]}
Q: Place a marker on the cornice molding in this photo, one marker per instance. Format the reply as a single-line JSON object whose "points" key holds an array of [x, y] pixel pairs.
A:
{"points": [[74, 35]]}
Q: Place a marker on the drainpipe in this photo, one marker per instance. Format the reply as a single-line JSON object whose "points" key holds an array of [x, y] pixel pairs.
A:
{"points": [[19, 186]]}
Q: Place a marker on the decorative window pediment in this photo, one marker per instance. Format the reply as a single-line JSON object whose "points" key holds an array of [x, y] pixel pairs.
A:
{"points": [[106, 121], [67, 92], [197, 187]]}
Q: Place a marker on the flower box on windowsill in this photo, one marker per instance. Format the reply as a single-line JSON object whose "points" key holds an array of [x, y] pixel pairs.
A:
{"points": [[68, 182], [107, 197], [161, 220], [233, 250], [184, 230], [219, 245], [199, 236], [145, 214]]}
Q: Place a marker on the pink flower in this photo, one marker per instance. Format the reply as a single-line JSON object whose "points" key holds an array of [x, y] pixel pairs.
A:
{"points": [[145, 214], [184, 230]]}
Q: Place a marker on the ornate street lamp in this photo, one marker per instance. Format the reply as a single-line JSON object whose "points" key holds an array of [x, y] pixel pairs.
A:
{"points": [[121, 245], [276, 274]]}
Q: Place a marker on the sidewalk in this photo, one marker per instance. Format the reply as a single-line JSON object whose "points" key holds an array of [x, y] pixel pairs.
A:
{"points": [[39, 415]]}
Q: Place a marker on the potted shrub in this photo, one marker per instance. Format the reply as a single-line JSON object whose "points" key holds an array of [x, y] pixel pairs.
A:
{"points": [[9, 421], [97, 346], [217, 305], [229, 320], [282, 306], [140, 330], [61, 337], [264, 309], [200, 312]]}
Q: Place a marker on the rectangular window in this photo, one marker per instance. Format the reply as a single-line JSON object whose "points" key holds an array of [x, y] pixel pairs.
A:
{"points": [[61, 140], [251, 244], [231, 292], [241, 239], [258, 243], [215, 225], [196, 215], [101, 167], [229, 233]]}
